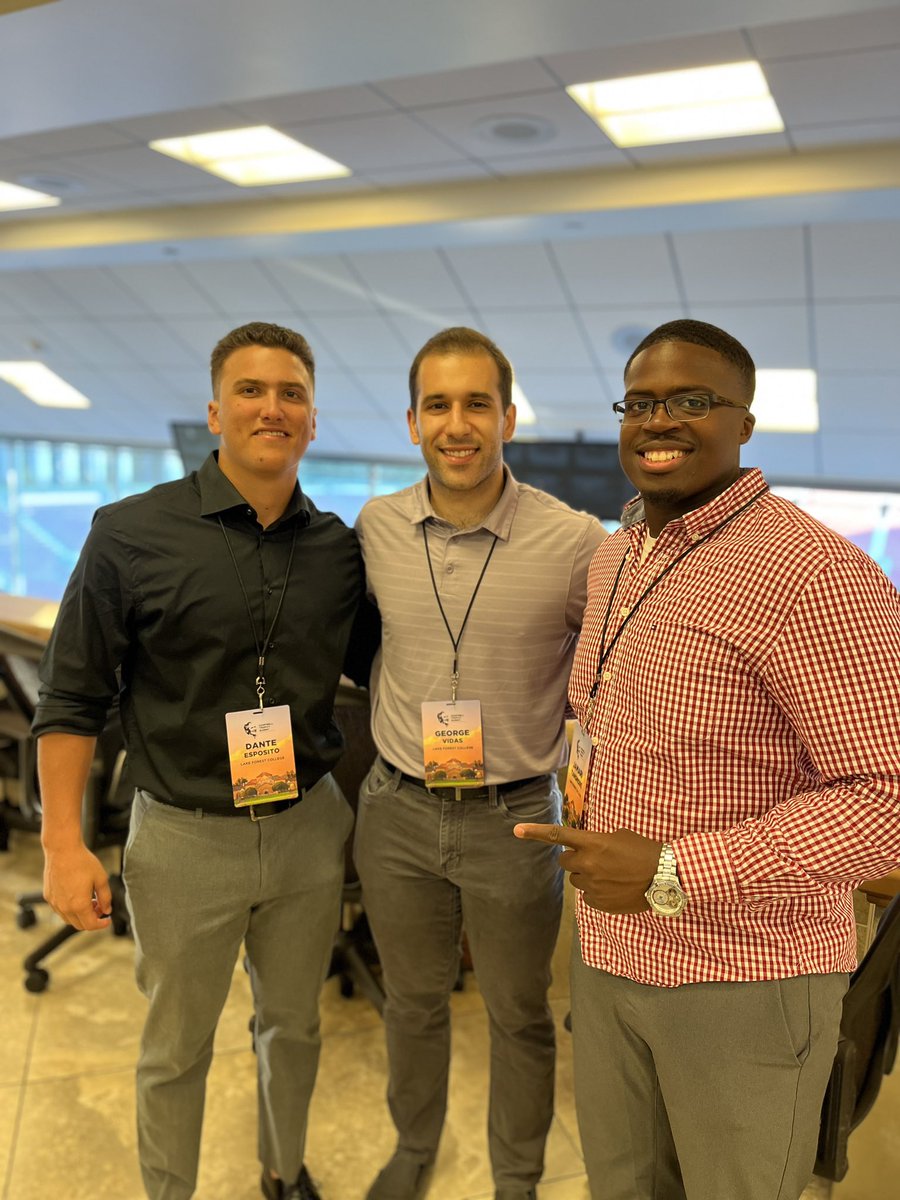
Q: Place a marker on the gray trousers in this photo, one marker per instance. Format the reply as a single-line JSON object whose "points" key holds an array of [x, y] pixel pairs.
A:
{"points": [[429, 866], [197, 887], [705, 1091]]}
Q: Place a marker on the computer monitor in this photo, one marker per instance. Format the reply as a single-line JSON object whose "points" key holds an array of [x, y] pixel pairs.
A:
{"points": [[586, 475], [193, 441]]}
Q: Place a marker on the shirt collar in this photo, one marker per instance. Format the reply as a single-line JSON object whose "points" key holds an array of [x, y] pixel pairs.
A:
{"points": [[498, 521], [694, 525], [218, 494]]}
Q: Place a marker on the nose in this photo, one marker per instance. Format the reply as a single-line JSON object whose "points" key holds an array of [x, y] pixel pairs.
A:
{"points": [[270, 404], [457, 421], [660, 418]]}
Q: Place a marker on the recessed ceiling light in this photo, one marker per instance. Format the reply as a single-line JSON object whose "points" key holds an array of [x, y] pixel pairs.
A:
{"points": [[679, 106], [252, 157], [13, 197], [786, 402], [42, 385], [515, 131]]}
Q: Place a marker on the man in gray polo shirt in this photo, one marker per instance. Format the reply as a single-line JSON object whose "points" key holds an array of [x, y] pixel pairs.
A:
{"points": [[481, 584]]}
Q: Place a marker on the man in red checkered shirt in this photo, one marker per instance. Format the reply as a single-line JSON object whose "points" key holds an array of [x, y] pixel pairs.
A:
{"points": [[736, 690]]}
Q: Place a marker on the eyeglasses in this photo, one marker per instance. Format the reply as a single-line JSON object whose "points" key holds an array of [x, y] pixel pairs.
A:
{"points": [[687, 406]]}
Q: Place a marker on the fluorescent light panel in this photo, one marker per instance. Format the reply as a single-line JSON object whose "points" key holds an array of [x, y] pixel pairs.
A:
{"points": [[525, 414], [13, 197], [679, 106], [252, 157], [42, 385], [786, 401]]}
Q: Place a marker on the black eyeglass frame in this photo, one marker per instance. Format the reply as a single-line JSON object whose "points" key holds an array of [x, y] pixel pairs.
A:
{"points": [[711, 398]]}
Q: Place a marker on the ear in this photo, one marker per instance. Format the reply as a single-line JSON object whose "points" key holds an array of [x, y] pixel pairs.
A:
{"points": [[413, 428], [212, 417], [509, 423], [312, 425], [747, 427]]}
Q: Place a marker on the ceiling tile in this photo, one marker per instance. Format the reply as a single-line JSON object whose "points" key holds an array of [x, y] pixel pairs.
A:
{"points": [[827, 35], [861, 336], [140, 167], [775, 334], [528, 339], [514, 276], [377, 141], [177, 124], [414, 281], [842, 398], [425, 173], [615, 332], [740, 265], [235, 285], [37, 295], [755, 143], [614, 62], [472, 83], [54, 142], [573, 128], [313, 106], [845, 133], [93, 342], [856, 261], [601, 157], [97, 291], [363, 341], [318, 285], [843, 87], [153, 343], [165, 288], [415, 330], [616, 271], [782, 455], [860, 456]]}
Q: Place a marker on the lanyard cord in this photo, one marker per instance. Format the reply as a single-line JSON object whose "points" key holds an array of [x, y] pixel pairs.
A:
{"points": [[454, 678], [605, 650], [260, 646]]}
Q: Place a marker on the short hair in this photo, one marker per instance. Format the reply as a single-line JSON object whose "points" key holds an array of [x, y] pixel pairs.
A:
{"points": [[260, 333], [699, 333], [459, 339]]}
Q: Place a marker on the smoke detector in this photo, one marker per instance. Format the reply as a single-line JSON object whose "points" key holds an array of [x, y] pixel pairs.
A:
{"points": [[515, 131]]}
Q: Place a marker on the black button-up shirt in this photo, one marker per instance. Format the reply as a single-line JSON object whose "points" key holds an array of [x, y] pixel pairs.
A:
{"points": [[154, 613]]}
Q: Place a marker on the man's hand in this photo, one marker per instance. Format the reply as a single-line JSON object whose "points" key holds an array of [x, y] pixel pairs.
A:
{"points": [[613, 870], [77, 887]]}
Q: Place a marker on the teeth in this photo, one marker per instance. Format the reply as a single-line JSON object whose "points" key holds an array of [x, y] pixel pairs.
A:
{"points": [[661, 456], [457, 453]]}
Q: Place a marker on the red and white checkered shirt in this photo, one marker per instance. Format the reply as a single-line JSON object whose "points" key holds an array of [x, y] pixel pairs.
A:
{"points": [[750, 715]]}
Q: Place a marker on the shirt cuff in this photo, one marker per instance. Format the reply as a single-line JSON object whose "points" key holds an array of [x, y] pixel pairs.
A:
{"points": [[704, 867]]}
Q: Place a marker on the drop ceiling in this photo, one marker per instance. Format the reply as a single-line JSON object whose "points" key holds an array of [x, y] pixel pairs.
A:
{"points": [[560, 246]]}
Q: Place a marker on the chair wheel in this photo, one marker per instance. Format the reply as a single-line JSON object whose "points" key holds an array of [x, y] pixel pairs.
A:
{"points": [[26, 917], [37, 979]]}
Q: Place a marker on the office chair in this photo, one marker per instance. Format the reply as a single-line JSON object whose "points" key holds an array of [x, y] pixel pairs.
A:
{"points": [[354, 954], [867, 1046], [106, 813], [19, 808]]}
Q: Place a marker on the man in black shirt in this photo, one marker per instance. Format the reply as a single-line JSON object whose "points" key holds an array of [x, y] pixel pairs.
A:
{"points": [[226, 592]]}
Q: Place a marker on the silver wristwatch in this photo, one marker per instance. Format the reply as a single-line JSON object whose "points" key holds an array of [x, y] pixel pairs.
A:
{"points": [[665, 894]]}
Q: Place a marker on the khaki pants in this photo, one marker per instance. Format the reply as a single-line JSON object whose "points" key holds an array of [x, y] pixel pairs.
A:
{"points": [[709, 1091], [198, 886]]}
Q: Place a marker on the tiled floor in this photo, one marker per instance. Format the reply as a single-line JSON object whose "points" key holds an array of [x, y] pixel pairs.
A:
{"points": [[66, 1086]]}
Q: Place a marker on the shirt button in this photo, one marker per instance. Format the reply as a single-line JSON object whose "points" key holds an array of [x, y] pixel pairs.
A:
{"points": [[607, 674], [269, 591], [624, 610], [249, 512], [449, 568], [271, 645]]}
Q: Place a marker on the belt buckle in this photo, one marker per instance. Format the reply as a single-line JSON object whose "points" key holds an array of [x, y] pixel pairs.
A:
{"points": [[257, 817]]}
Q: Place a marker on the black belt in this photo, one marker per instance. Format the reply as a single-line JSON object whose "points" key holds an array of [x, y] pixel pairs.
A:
{"points": [[453, 792], [256, 812]]}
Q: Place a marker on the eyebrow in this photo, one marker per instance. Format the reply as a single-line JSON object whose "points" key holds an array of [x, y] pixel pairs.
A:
{"points": [[679, 389], [283, 383], [469, 396]]}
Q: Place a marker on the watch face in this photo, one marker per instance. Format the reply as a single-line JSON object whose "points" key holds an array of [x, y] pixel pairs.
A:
{"points": [[666, 899]]}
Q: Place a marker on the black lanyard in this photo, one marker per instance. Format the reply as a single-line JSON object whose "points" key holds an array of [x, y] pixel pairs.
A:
{"points": [[261, 645], [454, 678], [606, 651]]}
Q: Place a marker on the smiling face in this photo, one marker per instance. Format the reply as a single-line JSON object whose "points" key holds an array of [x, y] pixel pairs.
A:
{"points": [[460, 424], [263, 415], [678, 466]]}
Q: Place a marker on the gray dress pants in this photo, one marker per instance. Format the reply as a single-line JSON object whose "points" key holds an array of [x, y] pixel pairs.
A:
{"points": [[198, 886], [708, 1091], [429, 866]]}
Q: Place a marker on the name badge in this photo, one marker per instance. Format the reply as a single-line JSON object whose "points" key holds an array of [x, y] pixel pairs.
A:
{"points": [[261, 755], [452, 744], [576, 777]]}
